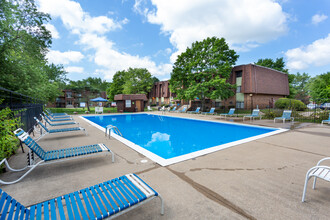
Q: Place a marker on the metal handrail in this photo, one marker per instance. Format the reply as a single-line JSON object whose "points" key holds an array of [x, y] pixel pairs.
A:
{"points": [[114, 128]]}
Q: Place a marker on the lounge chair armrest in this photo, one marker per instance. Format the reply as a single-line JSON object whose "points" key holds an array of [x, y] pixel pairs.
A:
{"points": [[315, 168], [326, 158]]}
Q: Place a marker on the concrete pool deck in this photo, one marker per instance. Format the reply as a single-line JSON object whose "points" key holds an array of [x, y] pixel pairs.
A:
{"points": [[262, 179]]}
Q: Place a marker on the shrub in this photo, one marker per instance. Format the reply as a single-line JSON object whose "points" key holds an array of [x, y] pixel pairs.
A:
{"points": [[8, 141], [285, 103], [270, 114]]}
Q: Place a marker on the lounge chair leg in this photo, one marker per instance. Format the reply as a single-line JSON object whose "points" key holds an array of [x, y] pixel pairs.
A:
{"points": [[12, 169], [305, 186], [314, 182], [19, 179], [162, 204], [113, 156]]}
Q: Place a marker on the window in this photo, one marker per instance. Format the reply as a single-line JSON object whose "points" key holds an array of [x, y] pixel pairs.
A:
{"points": [[218, 104], [128, 103], [240, 105], [238, 89], [238, 73], [69, 94]]}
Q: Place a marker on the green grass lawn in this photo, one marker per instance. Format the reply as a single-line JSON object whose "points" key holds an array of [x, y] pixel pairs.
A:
{"points": [[72, 111]]}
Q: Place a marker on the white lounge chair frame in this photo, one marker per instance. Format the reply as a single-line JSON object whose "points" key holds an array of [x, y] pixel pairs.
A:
{"points": [[34, 160], [322, 172], [285, 118], [253, 115], [47, 131], [230, 113], [64, 123]]}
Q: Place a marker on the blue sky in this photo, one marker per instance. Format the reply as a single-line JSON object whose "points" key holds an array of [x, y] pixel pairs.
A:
{"points": [[100, 37]]}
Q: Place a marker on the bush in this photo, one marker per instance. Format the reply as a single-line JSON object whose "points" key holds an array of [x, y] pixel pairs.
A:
{"points": [[270, 114], [285, 103], [8, 141]]}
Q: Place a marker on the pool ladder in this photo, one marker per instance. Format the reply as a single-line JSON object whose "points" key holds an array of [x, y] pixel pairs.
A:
{"points": [[114, 130]]}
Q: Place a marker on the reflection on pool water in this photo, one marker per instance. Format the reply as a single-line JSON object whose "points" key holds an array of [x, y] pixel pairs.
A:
{"points": [[171, 137]]}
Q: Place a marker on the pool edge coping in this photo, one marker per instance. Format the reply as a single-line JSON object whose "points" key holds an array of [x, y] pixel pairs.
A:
{"points": [[165, 162]]}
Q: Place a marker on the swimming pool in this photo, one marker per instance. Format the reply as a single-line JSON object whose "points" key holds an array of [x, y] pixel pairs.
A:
{"points": [[167, 139]]}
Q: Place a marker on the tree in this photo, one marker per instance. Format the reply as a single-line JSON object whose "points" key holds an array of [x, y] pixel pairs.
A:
{"points": [[131, 81], [116, 87], [88, 88], [300, 86], [278, 64], [155, 79], [24, 42], [320, 87], [202, 71], [137, 81]]}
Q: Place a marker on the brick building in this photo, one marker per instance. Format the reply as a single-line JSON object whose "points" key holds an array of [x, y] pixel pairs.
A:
{"points": [[130, 102], [160, 94], [71, 98], [257, 86]]}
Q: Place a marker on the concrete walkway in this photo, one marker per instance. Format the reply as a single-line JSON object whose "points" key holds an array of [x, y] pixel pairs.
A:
{"points": [[262, 179]]}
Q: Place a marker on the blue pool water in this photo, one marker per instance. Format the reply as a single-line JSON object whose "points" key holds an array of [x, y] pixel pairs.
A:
{"points": [[170, 137]]}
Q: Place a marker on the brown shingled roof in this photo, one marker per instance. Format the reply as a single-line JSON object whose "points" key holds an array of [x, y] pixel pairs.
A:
{"points": [[131, 97]]}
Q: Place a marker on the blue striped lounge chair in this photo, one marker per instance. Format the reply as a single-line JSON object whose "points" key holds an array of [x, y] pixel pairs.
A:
{"points": [[211, 112], [230, 113], [58, 124], [326, 121], [318, 171], [47, 157], [173, 110], [285, 116], [105, 200], [255, 114], [56, 119], [183, 110], [55, 131], [58, 116], [55, 114], [194, 112]]}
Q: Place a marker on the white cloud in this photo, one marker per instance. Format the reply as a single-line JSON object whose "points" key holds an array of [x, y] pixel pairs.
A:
{"points": [[76, 20], [112, 60], [318, 18], [74, 69], [57, 57], [244, 22], [52, 30], [315, 54], [91, 32]]}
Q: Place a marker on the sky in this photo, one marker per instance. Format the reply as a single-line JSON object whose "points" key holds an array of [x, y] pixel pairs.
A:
{"points": [[97, 38]]}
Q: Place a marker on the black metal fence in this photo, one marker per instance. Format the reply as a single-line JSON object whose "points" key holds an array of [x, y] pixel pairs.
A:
{"points": [[26, 107], [314, 112]]}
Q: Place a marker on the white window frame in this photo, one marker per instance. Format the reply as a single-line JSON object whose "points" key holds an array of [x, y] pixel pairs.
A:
{"points": [[128, 103]]}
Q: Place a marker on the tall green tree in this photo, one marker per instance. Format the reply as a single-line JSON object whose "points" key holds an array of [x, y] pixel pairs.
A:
{"points": [[300, 86], [137, 81], [117, 85], [24, 42], [202, 71], [131, 81], [320, 87], [277, 64]]}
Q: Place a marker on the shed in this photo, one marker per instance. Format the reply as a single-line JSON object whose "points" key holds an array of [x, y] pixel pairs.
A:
{"points": [[131, 102]]}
